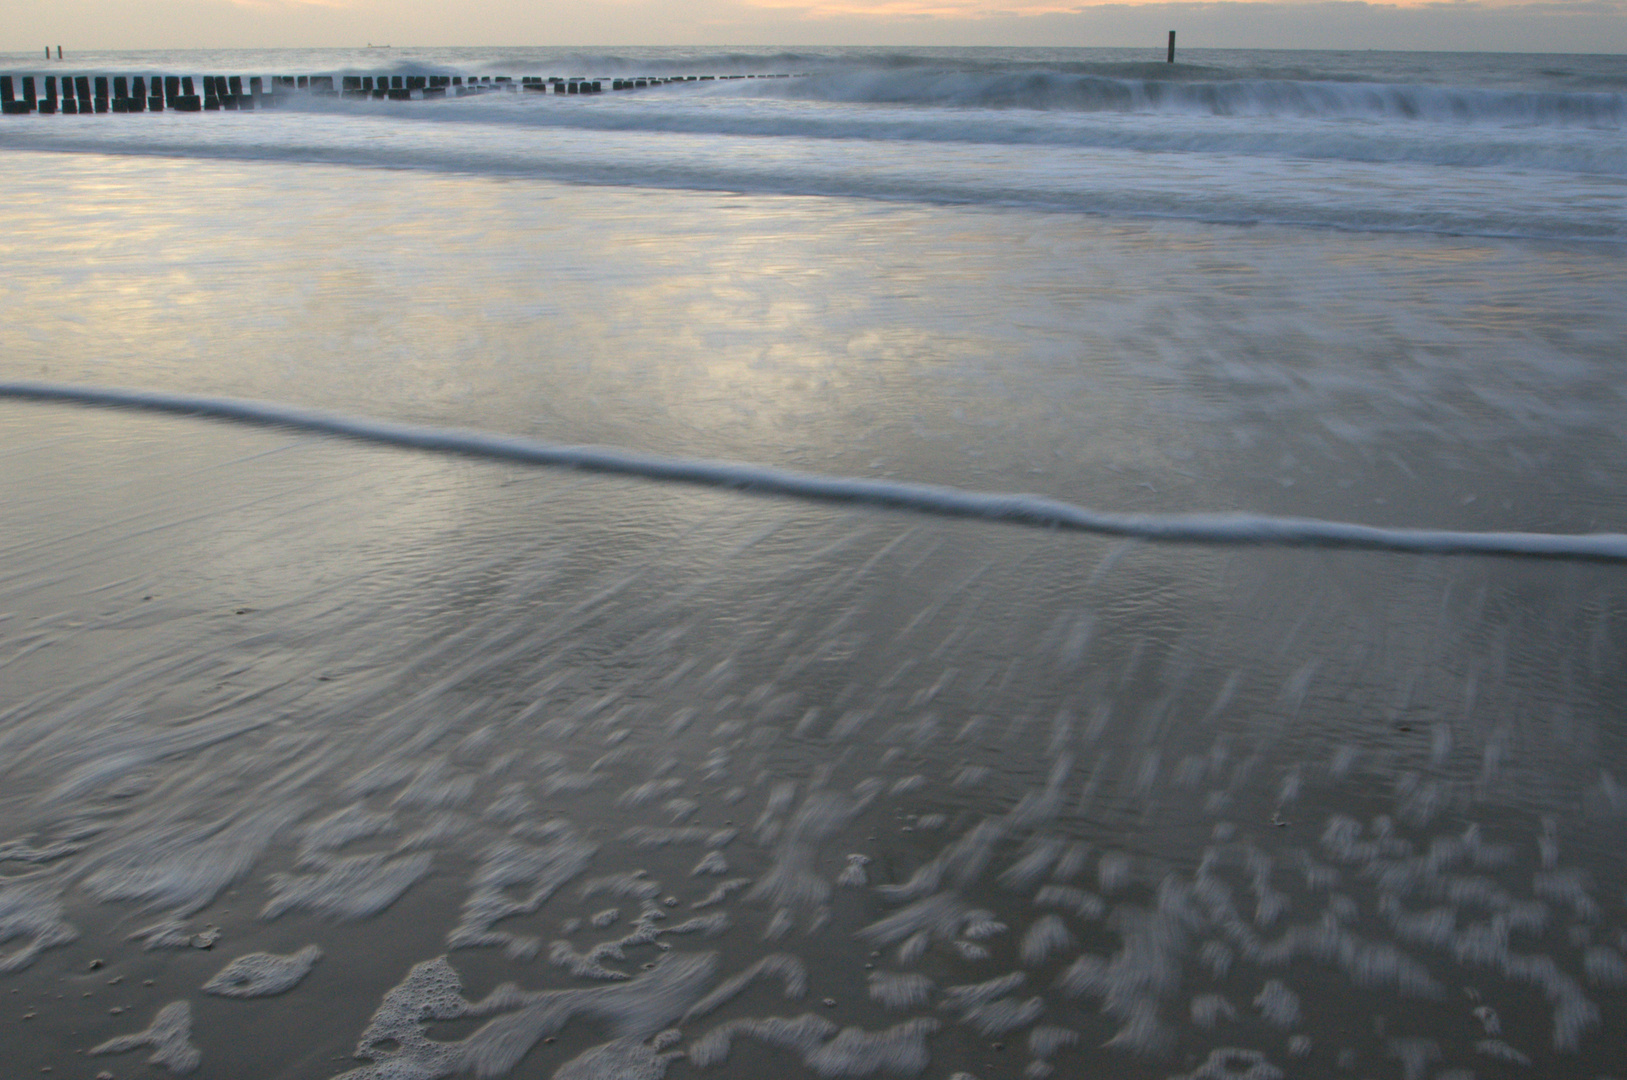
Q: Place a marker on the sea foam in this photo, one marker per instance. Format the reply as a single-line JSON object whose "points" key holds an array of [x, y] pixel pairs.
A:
{"points": [[1030, 510]]}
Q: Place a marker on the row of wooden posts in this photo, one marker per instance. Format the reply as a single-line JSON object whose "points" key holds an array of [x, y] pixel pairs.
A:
{"points": [[154, 93]]}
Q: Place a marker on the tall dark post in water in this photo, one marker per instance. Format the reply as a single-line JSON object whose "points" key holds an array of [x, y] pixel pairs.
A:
{"points": [[8, 100], [1172, 46]]}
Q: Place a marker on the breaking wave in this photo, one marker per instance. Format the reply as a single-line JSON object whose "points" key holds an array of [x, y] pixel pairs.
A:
{"points": [[1308, 99]]}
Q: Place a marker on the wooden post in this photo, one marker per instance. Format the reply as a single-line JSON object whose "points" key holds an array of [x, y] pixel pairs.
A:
{"points": [[48, 102], [1171, 47], [26, 101], [9, 105], [183, 97]]}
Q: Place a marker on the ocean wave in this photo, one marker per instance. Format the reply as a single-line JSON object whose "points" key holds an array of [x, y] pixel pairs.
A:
{"points": [[709, 112], [1208, 96], [1010, 508], [1213, 188]]}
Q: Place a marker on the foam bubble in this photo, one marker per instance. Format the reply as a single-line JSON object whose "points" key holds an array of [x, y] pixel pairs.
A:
{"points": [[1113, 871], [1232, 1063], [941, 915], [353, 822], [1031, 866], [582, 965], [847, 1052], [1278, 1004], [779, 965], [352, 887], [1003, 1016], [899, 990], [1044, 1041], [632, 885], [401, 1048], [1086, 905], [1604, 967], [35, 912], [1210, 1009], [619, 1059], [971, 995], [263, 974], [653, 836], [854, 875], [649, 791], [1414, 1054], [713, 862], [722, 892], [1044, 939], [184, 864], [1496, 1048], [169, 1035], [541, 868], [792, 879]]}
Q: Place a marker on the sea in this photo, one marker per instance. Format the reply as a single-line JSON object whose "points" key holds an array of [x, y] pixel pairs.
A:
{"points": [[964, 563]]}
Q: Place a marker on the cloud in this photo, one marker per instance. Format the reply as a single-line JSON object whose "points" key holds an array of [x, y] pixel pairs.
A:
{"points": [[1489, 25], [985, 10], [292, 6], [915, 9], [1595, 26]]}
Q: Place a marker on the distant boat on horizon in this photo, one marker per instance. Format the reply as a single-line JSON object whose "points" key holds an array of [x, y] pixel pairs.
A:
{"points": [[370, 45]]}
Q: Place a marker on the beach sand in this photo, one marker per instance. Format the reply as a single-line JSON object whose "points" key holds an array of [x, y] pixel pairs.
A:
{"points": [[1325, 807]]}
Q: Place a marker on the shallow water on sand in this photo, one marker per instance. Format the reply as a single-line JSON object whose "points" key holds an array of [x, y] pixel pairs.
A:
{"points": [[948, 796]]}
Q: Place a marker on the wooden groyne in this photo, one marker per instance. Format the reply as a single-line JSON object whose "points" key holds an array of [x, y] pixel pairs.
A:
{"points": [[82, 94]]}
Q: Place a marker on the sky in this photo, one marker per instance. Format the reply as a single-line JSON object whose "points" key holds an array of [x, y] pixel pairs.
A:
{"points": [[1489, 25]]}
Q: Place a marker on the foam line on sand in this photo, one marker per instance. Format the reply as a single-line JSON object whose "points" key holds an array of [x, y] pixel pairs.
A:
{"points": [[1017, 509]]}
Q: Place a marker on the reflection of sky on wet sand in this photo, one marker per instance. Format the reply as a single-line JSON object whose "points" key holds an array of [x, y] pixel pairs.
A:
{"points": [[1119, 807], [1151, 367]]}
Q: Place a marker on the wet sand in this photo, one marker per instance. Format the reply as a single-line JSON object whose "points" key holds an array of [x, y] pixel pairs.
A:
{"points": [[1012, 800], [1119, 776]]}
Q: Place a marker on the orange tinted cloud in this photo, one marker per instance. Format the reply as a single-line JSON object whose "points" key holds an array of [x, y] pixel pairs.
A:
{"points": [[915, 9], [1006, 9]]}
